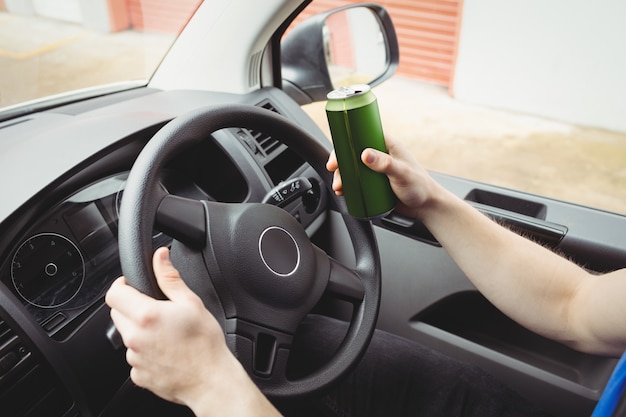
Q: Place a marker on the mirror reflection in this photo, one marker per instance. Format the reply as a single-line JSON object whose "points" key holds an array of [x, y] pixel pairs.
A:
{"points": [[354, 46]]}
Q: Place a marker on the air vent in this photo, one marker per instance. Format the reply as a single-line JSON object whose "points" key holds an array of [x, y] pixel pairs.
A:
{"points": [[266, 143], [278, 161], [27, 387], [6, 334]]}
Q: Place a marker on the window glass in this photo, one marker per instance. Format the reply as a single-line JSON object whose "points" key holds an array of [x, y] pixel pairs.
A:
{"points": [[519, 110], [550, 158], [51, 48]]}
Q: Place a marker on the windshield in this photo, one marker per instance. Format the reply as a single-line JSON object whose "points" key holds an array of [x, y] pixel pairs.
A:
{"points": [[52, 48]]}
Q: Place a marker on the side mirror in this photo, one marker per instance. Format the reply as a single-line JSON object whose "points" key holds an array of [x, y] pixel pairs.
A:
{"points": [[355, 44]]}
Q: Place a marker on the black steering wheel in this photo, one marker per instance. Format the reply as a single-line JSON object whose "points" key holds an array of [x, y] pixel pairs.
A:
{"points": [[252, 264]]}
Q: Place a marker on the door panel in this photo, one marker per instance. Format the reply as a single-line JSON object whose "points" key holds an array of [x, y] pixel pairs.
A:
{"points": [[427, 298]]}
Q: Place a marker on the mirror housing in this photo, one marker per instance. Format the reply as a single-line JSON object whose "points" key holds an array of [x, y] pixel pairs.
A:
{"points": [[309, 51]]}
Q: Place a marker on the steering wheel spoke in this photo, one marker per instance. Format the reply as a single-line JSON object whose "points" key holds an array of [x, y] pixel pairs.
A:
{"points": [[344, 283], [183, 219], [263, 351]]}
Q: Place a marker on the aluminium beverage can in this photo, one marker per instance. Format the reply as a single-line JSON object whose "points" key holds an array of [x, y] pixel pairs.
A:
{"points": [[355, 124]]}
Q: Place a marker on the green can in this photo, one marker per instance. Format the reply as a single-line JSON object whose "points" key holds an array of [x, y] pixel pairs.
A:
{"points": [[355, 124]]}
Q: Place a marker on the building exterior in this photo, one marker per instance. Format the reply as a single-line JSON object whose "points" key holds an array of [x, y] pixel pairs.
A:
{"points": [[527, 56]]}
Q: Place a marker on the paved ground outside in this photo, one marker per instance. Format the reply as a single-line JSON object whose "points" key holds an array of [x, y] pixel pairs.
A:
{"points": [[555, 159], [551, 158], [41, 57]]}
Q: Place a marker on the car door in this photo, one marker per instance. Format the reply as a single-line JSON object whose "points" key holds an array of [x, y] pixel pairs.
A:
{"points": [[544, 172]]}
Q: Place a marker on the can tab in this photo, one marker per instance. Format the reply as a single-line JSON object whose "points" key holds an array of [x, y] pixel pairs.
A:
{"points": [[288, 191], [348, 91]]}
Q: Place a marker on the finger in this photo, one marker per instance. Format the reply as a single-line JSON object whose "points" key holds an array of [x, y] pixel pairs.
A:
{"points": [[124, 326], [119, 281], [130, 330], [168, 277], [133, 358], [118, 295], [128, 301], [138, 377], [331, 164], [337, 183]]}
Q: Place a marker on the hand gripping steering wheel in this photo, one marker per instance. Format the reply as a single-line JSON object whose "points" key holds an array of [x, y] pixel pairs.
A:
{"points": [[252, 264]]}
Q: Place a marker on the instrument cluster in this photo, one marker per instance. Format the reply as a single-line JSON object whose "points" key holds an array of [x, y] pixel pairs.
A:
{"points": [[70, 258]]}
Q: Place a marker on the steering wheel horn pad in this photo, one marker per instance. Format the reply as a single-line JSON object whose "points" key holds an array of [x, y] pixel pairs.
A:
{"points": [[252, 264], [236, 240]]}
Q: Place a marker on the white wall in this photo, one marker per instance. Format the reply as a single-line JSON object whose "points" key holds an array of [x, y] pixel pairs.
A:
{"points": [[68, 10], [560, 59]]}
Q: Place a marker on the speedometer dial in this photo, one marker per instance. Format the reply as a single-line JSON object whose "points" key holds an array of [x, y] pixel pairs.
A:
{"points": [[48, 270]]}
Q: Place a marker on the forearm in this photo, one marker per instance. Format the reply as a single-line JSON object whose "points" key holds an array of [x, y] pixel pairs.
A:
{"points": [[237, 404], [236, 396], [529, 283]]}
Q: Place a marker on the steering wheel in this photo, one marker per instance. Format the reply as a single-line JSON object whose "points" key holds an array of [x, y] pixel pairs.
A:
{"points": [[252, 264]]}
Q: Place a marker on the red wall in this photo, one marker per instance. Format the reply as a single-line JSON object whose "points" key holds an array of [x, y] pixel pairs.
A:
{"points": [[427, 33], [159, 15]]}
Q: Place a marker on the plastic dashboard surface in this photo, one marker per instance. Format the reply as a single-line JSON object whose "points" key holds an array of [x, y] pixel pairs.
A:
{"points": [[58, 229]]}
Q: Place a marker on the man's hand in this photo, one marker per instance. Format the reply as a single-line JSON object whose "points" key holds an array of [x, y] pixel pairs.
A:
{"points": [[409, 180], [177, 349]]}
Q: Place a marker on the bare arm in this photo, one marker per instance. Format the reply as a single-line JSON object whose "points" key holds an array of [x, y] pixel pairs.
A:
{"points": [[537, 288]]}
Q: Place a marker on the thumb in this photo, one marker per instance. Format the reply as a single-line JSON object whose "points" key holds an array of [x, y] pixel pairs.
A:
{"points": [[167, 276], [377, 161]]}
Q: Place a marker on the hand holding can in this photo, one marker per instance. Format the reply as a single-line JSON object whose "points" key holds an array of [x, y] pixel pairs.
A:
{"points": [[355, 125]]}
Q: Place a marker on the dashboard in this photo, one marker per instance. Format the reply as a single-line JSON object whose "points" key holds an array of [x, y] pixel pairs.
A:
{"points": [[60, 248]]}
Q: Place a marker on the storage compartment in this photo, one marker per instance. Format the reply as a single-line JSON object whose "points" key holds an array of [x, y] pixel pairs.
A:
{"points": [[470, 316], [525, 217], [505, 202]]}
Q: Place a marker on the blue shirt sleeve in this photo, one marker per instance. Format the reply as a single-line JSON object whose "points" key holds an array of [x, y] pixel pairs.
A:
{"points": [[613, 391]]}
